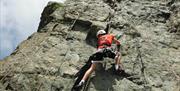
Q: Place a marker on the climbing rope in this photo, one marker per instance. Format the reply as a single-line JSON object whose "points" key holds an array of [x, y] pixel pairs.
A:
{"points": [[72, 25], [139, 57], [78, 16], [108, 19]]}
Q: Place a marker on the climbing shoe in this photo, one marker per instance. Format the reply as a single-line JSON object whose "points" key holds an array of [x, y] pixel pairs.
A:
{"points": [[77, 87], [122, 73], [81, 84], [119, 72]]}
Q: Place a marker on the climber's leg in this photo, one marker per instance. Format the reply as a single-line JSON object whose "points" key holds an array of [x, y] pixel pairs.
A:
{"points": [[118, 64], [97, 56], [89, 71]]}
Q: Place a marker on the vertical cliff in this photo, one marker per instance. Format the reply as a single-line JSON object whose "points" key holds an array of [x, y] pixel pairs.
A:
{"points": [[49, 58]]}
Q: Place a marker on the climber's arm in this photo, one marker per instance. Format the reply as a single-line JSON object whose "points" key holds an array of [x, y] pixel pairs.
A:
{"points": [[117, 43]]}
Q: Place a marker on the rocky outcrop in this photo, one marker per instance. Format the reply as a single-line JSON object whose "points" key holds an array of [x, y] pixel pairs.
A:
{"points": [[48, 59]]}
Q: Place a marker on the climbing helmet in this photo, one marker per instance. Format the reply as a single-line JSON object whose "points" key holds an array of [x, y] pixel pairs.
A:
{"points": [[100, 32]]}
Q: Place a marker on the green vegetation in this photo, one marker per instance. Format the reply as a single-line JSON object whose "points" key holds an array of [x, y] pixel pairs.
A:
{"points": [[54, 6]]}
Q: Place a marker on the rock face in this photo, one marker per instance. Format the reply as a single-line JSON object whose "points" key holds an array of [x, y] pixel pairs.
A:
{"points": [[48, 59]]}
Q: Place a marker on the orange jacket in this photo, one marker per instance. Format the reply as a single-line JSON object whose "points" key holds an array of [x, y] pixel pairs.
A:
{"points": [[106, 40]]}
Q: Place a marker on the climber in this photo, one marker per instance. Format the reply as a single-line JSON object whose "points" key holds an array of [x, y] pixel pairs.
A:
{"points": [[104, 49]]}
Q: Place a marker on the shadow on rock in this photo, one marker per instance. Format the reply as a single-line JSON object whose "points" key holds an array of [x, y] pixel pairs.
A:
{"points": [[106, 79]]}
